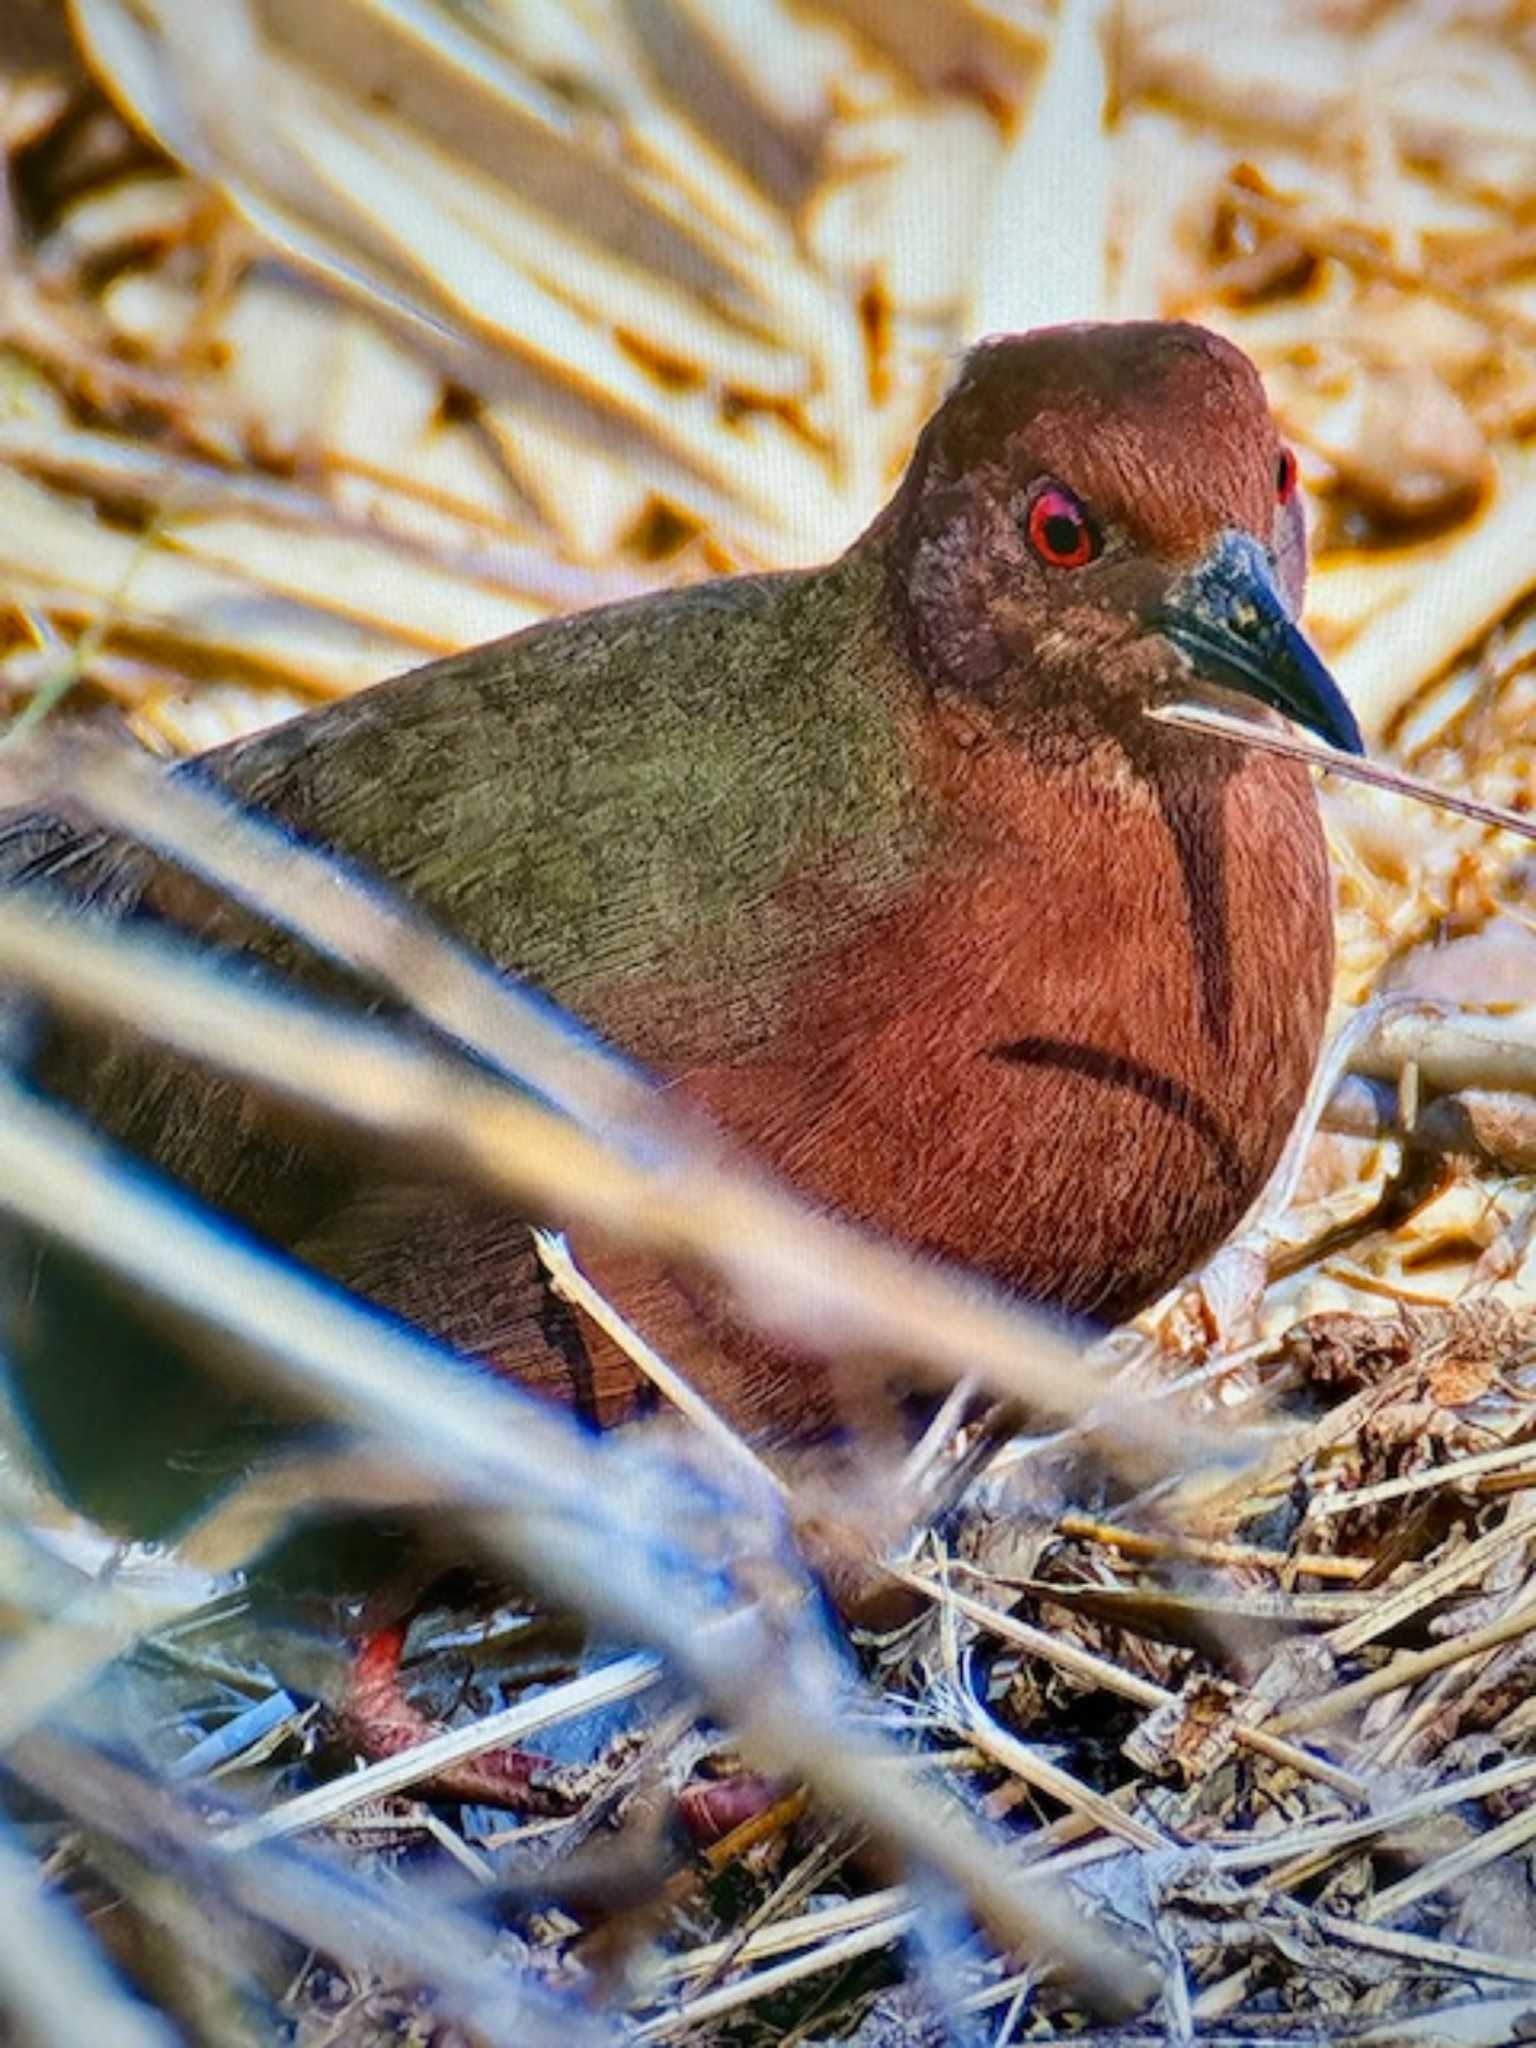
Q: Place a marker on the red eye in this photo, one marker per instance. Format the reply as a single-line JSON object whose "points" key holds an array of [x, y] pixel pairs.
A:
{"points": [[1285, 476], [1060, 531]]}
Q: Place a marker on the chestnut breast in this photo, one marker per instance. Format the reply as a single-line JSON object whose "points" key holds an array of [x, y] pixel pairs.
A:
{"points": [[1070, 1054]]}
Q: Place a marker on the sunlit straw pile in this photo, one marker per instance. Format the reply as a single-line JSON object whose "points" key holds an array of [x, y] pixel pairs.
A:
{"points": [[336, 334]]}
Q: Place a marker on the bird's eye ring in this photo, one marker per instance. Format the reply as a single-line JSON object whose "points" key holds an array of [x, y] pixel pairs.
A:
{"points": [[1285, 476], [1059, 530]]}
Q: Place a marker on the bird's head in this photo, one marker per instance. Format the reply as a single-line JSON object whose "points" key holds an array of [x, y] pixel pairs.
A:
{"points": [[1098, 513]]}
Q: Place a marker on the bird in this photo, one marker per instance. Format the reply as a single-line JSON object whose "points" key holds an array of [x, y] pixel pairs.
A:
{"points": [[882, 866]]}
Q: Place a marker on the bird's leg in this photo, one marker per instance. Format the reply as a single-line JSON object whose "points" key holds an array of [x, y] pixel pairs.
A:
{"points": [[382, 1721]]}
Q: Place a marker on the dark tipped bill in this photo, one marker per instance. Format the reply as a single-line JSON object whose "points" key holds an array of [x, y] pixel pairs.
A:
{"points": [[1227, 617]]}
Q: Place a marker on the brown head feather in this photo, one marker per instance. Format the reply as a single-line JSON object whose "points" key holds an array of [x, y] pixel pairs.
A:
{"points": [[1162, 433]]}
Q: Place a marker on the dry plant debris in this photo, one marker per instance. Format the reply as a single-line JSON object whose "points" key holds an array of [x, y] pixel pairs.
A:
{"points": [[336, 336]]}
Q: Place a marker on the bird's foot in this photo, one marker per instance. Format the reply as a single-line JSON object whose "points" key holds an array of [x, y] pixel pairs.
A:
{"points": [[382, 1721]]}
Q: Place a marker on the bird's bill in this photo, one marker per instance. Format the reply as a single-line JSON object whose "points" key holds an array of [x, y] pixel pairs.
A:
{"points": [[1227, 618]]}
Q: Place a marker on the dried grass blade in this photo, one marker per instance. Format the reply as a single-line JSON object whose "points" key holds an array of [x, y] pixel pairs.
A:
{"points": [[1297, 746], [53, 549], [350, 920], [53, 1983], [1023, 1762], [620, 1680], [572, 1285], [745, 1991], [1461, 1568], [778, 1937], [1456, 1472], [325, 180], [1418, 1948], [468, 93], [1310, 1840], [1129, 1685], [1446, 608], [316, 1903], [568, 1530], [1455, 1050], [1405, 1670], [1503, 1840]]}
